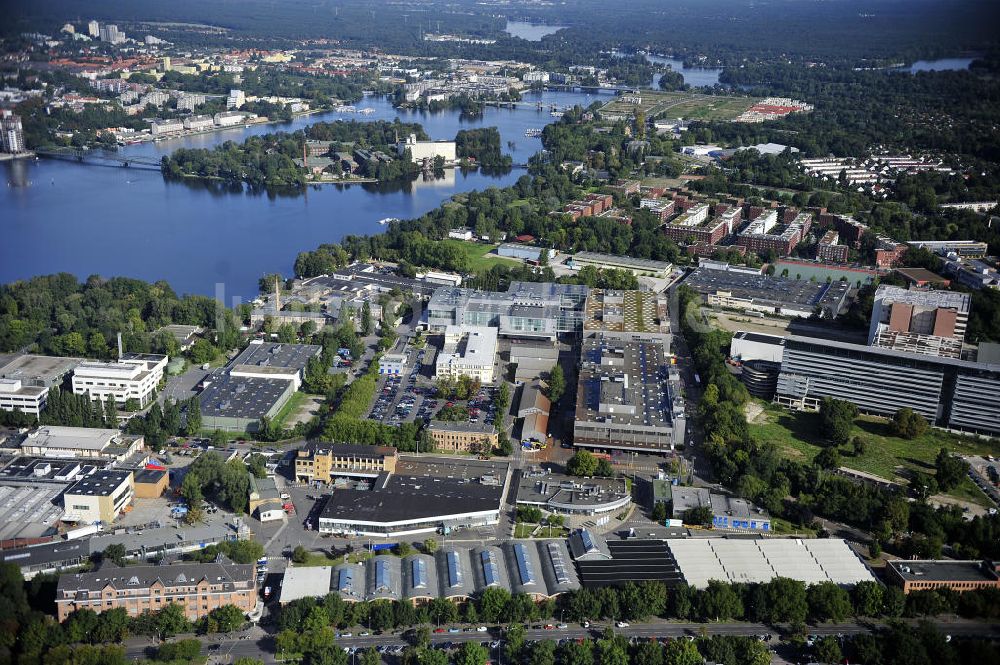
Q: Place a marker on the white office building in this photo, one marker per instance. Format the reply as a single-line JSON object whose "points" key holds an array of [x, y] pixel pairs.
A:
{"points": [[236, 100], [16, 396], [468, 351], [135, 376], [421, 150]]}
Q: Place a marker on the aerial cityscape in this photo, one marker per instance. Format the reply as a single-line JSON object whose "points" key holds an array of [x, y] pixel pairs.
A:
{"points": [[473, 332]]}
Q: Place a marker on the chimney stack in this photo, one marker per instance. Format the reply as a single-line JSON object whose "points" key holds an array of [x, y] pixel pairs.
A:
{"points": [[119, 346]]}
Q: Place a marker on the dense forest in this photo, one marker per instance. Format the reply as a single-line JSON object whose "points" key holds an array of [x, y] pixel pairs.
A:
{"points": [[481, 146]]}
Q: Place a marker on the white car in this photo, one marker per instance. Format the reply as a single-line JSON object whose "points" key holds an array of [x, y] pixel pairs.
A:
{"points": [[622, 624], [481, 629]]}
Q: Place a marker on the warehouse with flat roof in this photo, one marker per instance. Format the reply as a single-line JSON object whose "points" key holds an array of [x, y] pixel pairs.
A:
{"points": [[761, 560]]}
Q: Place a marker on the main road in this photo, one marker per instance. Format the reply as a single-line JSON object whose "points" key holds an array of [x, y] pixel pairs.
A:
{"points": [[259, 644]]}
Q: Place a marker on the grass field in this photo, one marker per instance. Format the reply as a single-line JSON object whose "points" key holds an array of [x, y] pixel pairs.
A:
{"points": [[687, 105], [479, 254], [797, 434], [294, 403]]}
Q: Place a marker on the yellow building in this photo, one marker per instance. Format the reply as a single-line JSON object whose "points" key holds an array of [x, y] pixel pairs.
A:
{"points": [[322, 461], [462, 437], [100, 497]]}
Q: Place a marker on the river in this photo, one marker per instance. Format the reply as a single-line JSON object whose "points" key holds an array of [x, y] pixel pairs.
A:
{"points": [[60, 216]]}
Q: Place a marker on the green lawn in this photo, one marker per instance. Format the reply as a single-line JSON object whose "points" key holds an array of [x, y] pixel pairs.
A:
{"points": [[524, 530], [294, 403], [797, 434], [320, 559], [478, 254]]}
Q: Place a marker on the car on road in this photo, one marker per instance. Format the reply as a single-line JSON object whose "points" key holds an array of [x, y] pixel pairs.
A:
{"points": [[622, 624], [562, 626], [482, 629], [454, 630], [440, 630]]}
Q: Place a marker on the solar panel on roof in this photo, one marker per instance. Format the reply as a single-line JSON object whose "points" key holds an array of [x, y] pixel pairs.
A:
{"points": [[524, 566], [558, 565], [491, 572], [418, 569], [382, 576], [454, 570], [345, 582], [588, 541]]}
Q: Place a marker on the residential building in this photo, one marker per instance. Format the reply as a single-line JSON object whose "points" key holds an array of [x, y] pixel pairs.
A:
{"points": [[322, 462], [94, 29], [99, 497], [190, 101], [11, 132], [695, 226], [628, 396], [87, 442], [111, 34], [236, 100], [164, 127], [888, 252], [929, 574], [198, 588], [765, 234], [135, 376], [468, 351], [462, 436], [427, 150], [951, 393], [828, 249], [230, 118], [460, 234], [919, 321]]}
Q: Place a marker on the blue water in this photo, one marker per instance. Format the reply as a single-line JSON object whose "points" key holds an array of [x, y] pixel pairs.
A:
{"points": [[941, 65], [532, 32], [61, 216]]}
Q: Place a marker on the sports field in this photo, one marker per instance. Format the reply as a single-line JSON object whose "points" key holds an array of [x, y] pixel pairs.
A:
{"points": [[687, 105]]}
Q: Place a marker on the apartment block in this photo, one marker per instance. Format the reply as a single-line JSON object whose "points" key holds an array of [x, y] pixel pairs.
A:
{"points": [[919, 321], [829, 249]]}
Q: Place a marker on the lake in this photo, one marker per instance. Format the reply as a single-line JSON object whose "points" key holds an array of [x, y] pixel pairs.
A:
{"points": [[532, 32], [696, 77], [60, 216], [941, 65]]}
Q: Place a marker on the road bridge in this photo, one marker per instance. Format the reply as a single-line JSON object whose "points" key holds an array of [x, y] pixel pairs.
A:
{"points": [[98, 157]]}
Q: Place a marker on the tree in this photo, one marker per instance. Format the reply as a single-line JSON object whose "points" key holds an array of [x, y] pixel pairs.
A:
{"points": [[367, 323], [720, 602], [682, 652], [837, 419], [699, 515], [828, 650], [430, 545], [828, 602], [224, 619], [171, 621], [659, 514], [557, 383], [300, 554], [115, 553], [192, 425], [785, 600], [202, 351], [951, 470], [582, 463], [650, 653], [504, 447], [471, 653], [371, 657], [604, 468], [867, 598], [492, 603], [827, 458], [908, 424]]}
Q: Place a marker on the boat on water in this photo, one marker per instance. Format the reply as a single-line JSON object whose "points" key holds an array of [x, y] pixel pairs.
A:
{"points": [[533, 131], [556, 114], [387, 220], [366, 111]]}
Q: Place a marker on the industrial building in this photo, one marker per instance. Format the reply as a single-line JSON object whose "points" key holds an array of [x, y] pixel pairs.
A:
{"points": [[524, 252], [468, 351], [958, 576], [601, 563], [919, 321], [322, 462], [761, 560], [569, 495], [462, 436], [633, 265], [527, 310], [254, 385], [43, 371], [963, 249], [759, 358], [722, 285], [134, 376], [727, 512], [627, 316], [427, 150], [99, 497], [534, 407], [424, 495], [532, 359], [950, 393], [628, 396], [108, 445], [198, 588], [539, 568]]}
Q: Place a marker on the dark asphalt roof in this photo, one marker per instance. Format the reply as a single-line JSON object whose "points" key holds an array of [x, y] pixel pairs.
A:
{"points": [[632, 561], [434, 498]]}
